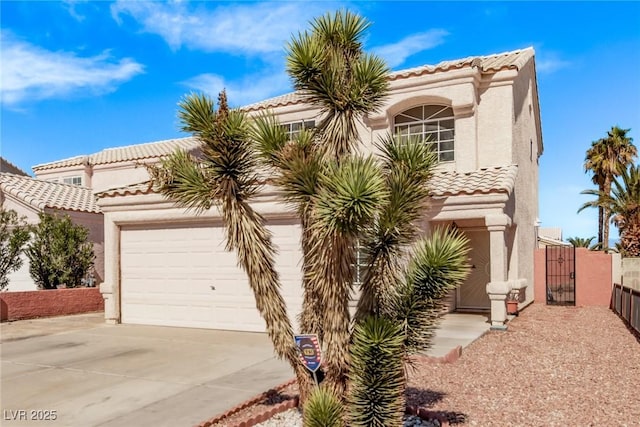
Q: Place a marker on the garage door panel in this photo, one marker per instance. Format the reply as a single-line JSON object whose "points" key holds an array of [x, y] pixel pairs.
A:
{"points": [[167, 275]]}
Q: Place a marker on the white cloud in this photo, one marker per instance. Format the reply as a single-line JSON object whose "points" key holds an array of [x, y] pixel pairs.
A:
{"points": [[396, 53], [549, 62], [232, 28], [30, 72], [70, 5], [246, 91]]}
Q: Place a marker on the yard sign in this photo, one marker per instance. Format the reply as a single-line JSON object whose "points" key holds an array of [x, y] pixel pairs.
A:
{"points": [[309, 351]]}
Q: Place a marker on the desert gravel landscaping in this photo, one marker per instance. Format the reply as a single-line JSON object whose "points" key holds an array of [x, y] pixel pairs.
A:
{"points": [[555, 366]]}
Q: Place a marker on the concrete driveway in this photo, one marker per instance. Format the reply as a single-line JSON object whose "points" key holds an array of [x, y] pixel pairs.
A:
{"points": [[94, 374]]}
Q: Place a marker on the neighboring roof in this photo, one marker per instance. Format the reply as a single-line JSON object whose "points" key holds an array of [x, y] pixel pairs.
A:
{"points": [[489, 64], [8, 167], [499, 179], [120, 154], [547, 241], [45, 194], [554, 233]]}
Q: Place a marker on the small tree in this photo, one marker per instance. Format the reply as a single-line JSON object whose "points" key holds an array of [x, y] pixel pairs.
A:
{"points": [[14, 234], [581, 242], [60, 253]]}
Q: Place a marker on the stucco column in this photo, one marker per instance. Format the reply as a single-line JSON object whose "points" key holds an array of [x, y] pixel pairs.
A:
{"points": [[499, 287], [110, 288]]}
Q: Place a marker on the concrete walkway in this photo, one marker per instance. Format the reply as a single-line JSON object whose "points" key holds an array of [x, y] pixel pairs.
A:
{"points": [[89, 373], [458, 329]]}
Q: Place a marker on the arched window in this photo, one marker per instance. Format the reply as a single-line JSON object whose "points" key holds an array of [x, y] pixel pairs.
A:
{"points": [[433, 123]]}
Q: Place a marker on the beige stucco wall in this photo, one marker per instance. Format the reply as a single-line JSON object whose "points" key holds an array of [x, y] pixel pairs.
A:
{"points": [[115, 175], [527, 144], [631, 273], [58, 174]]}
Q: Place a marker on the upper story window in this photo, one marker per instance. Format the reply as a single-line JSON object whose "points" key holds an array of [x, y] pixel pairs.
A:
{"points": [[74, 180], [293, 129], [433, 123]]}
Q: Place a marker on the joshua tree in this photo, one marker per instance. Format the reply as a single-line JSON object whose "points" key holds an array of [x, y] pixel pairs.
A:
{"points": [[344, 200], [606, 159]]}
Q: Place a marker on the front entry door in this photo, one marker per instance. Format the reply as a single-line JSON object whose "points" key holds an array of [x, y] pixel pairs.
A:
{"points": [[472, 295]]}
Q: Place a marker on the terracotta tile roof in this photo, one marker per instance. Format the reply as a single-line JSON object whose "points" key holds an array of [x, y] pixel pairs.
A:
{"points": [[121, 154], [489, 64], [499, 179], [128, 190], [45, 194]]}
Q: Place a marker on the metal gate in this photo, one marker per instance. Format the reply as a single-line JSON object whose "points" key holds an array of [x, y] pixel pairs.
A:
{"points": [[561, 275]]}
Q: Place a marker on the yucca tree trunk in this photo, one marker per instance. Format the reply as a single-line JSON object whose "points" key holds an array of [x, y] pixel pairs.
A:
{"points": [[251, 240], [311, 316], [335, 287]]}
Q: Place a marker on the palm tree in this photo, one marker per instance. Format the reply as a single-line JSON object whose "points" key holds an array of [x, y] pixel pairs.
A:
{"points": [[580, 242], [624, 205], [606, 158], [625, 208]]}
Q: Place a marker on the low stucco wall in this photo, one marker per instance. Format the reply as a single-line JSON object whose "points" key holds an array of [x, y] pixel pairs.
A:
{"points": [[631, 273], [46, 303], [593, 277]]}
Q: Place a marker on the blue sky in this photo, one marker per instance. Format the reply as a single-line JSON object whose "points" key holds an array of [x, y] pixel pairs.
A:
{"points": [[80, 76]]}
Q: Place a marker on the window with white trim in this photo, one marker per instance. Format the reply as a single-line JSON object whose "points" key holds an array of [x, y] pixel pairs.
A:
{"points": [[293, 129], [432, 123], [73, 180]]}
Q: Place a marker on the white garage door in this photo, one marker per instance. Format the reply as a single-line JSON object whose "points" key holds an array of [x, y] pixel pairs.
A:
{"points": [[183, 276]]}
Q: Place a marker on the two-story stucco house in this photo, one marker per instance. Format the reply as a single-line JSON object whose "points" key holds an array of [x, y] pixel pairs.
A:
{"points": [[168, 266]]}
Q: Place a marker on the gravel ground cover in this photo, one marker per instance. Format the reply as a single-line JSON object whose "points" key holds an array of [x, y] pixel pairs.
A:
{"points": [[555, 366]]}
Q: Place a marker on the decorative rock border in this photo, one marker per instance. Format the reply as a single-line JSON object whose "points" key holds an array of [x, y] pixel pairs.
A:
{"points": [[277, 408], [450, 357]]}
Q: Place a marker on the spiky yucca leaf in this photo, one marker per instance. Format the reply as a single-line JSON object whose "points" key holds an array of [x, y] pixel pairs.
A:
{"points": [[270, 138], [376, 394], [323, 409], [350, 195], [181, 178], [330, 70], [407, 166], [438, 265]]}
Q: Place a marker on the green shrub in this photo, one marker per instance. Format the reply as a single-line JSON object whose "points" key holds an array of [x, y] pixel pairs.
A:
{"points": [[323, 409], [59, 253], [14, 234]]}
